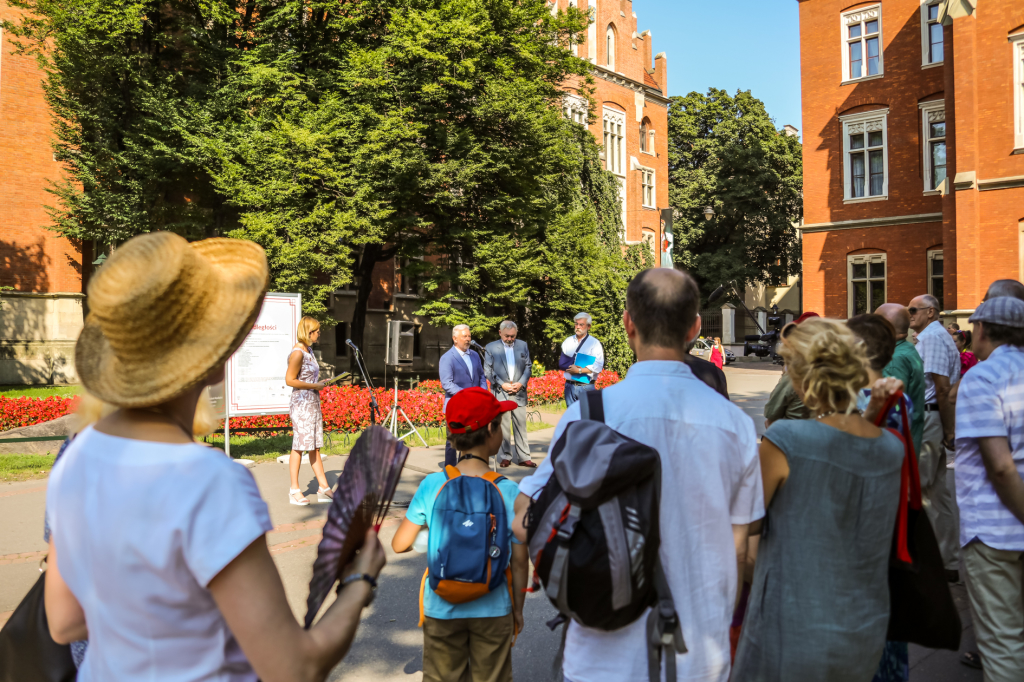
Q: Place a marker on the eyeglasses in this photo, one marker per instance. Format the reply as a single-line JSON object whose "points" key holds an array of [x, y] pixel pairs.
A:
{"points": [[915, 311]]}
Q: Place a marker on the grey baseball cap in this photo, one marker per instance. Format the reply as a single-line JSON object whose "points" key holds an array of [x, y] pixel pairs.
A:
{"points": [[1005, 311]]}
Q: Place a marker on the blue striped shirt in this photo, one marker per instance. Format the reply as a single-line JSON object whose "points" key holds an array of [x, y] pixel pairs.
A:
{"points": [[990, 404]]}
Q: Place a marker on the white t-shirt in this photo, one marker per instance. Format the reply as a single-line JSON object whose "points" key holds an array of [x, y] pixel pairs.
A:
{"points": [[711, 480], [141, 529]]}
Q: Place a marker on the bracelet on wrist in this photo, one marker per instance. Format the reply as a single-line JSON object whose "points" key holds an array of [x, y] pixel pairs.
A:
{"points": [[357, 577]]}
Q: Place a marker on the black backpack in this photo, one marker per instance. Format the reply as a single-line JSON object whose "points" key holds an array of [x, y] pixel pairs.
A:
{"points": [[594, 535]]}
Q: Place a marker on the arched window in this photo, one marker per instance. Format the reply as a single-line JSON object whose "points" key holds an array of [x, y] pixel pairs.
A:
{"points": [[646, 137], [610, 47]]}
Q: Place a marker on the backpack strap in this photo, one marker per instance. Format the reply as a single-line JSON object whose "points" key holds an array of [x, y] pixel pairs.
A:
{"points": [[558, 578], [451, 472], [592, 406], [423, 587], [664, 633]]}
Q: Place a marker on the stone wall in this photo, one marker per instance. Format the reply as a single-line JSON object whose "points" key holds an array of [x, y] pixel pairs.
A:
{"points": [[37, 337]]}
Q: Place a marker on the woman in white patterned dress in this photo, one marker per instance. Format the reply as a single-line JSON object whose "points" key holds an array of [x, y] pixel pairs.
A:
{"points": [[307, 421]]}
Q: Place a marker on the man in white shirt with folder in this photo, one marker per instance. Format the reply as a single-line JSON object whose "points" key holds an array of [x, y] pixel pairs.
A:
{"points": [[582, 359]]}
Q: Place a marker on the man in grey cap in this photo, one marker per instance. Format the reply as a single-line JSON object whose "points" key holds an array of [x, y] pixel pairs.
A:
{"points": [[990, 485]]}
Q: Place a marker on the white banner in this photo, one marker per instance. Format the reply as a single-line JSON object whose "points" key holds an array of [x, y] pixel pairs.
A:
{"points": [[255, 373]]}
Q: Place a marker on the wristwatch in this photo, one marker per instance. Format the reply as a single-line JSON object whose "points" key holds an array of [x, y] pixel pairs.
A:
{"points": [[356, 577]]}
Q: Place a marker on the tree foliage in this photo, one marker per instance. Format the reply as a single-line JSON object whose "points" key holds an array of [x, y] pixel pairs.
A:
{"points": [[339, 135], [725, 152]]}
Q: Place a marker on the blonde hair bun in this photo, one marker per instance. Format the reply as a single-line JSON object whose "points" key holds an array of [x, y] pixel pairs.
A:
{"points": [[828, 362]]}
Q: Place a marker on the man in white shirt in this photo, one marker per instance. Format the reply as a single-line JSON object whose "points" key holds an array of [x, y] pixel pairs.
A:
{"points": [[711, 487], [941, 372], [580, 377]]}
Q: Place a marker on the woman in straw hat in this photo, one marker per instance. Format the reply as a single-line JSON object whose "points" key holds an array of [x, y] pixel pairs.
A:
{"points": [[174, 581], [304, 409]]}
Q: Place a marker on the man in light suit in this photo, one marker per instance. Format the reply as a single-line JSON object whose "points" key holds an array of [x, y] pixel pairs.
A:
{"points": [[508, 366], [460, 368]]}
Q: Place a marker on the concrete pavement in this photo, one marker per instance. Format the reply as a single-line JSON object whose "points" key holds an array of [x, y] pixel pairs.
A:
{"points": [[389, 645]]}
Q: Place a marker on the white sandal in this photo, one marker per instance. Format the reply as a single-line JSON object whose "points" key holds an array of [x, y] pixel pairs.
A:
{"points": [[296, 497], [324, 495]]}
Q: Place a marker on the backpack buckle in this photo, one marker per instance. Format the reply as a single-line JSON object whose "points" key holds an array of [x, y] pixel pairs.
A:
{"points": [[568, 526]]}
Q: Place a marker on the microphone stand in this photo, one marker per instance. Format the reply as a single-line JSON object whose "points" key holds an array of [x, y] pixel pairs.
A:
{"points": [[374, 408]]}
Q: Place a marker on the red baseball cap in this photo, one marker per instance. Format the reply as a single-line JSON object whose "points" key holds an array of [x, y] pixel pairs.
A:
{"points": [[474, 408]]}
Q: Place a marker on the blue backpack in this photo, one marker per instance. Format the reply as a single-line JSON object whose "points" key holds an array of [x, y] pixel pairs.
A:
{"points": [[469, 545]]}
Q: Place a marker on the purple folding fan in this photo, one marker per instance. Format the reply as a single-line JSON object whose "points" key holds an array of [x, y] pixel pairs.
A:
{"points": [[361, 501]]}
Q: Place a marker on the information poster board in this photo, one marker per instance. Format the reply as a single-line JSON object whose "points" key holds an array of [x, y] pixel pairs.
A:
{"points": [[255, 373]]}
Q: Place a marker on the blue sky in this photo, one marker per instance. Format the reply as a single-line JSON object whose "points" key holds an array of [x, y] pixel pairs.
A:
{"points": [[730, 44]]}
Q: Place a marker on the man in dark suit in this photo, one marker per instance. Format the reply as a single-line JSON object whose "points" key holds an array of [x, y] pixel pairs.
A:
{"points": [[508, 366], [459, 368]]}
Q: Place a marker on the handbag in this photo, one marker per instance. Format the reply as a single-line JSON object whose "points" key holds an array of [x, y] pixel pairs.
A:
{"points": [[921, 607], [27, 652]]}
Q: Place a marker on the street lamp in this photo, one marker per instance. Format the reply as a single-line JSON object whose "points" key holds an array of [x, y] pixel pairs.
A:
{"points": [[709, 213]]}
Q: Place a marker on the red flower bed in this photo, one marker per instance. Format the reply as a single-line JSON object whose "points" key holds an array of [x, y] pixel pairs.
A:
{"points": [[345, 408], [22, 411], [550, 388]]}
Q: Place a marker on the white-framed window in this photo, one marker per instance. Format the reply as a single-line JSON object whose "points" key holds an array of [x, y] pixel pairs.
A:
{"points": [[932, 51], [935, 272], [575, 109], [647, 188], [646, 137], [862, 44], [609, 42], [647, 238], [1018, 88], [866, 277], [615, 141], [865, 156], [933, 136]]}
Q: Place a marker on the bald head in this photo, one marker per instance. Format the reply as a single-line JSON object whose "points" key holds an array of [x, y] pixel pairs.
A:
{"points": [[1005, 287], [898, 316], [663, 305]]}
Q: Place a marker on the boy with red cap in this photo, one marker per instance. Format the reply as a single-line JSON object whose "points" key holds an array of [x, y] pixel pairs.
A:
{"points": [[473, 637]]}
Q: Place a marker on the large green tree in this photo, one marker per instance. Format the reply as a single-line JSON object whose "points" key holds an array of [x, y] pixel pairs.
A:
{"points": [[725, 152]]}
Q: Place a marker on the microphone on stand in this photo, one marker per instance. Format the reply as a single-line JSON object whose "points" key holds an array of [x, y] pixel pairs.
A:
{"points": [[477, 346], [348, 342], [716, 294]]}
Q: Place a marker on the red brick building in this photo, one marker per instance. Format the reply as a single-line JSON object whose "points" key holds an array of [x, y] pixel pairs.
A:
{"points": [[913, 116], [42, 317], [631, 121]]}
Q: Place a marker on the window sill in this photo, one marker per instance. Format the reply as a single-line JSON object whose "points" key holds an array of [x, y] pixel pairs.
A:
{"points": [[407, 296], [933, 65], [650, 208], [1019, 150], [932, 193], [647, 153], [863, 200], [854, 81], [346, 293]]}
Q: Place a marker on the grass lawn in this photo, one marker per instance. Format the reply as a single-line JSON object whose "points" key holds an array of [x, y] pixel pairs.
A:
{"points": [[40, 391], [25, 467], [258, 449]]}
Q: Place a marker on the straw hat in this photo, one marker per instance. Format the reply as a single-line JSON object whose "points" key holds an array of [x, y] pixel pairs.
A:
{"points": [[164, 313]]}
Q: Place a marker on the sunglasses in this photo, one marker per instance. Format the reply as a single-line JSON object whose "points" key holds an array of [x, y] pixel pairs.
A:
{"points": [[915, 311]]}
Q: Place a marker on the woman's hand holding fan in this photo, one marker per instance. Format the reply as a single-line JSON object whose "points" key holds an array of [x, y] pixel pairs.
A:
{"points": [[361, 501]]}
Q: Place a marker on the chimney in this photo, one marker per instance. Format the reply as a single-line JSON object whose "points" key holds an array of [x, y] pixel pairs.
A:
{"points": [[792, 131], [661, 72], [648, 44]]}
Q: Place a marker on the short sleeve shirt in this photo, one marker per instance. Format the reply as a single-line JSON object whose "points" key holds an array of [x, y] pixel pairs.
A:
{"points": [[940, 356], [491, 605], [591, 347], [906, 365], [141, 528], [711, 480], [990, 404]]}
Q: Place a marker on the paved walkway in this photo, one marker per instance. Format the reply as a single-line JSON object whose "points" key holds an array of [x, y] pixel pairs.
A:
{"points": [[389, 645]]}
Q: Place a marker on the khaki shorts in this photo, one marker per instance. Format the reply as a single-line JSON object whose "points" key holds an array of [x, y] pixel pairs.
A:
{"points": [[468, 649]]}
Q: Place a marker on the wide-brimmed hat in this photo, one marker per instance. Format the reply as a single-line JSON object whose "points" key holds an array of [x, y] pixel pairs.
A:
{"points": [[164, 313]]}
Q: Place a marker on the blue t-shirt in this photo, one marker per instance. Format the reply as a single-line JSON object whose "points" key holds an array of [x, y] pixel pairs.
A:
{"points": [[491, 605]]}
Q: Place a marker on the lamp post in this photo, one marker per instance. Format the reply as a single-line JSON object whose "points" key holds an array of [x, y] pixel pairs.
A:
{"points": [[709, 213]]}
